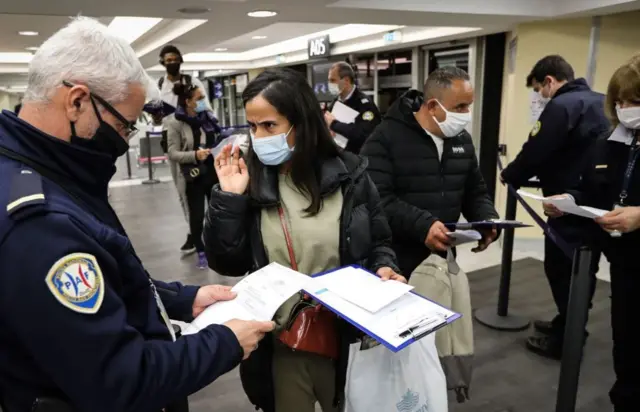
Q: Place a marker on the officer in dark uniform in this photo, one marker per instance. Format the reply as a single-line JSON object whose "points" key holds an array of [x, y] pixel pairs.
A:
{"points": [[342, 84], [83, 327], [571, 121]]}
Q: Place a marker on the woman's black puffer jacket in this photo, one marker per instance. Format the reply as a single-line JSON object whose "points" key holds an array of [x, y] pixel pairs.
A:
{"points": [[233, 244]]}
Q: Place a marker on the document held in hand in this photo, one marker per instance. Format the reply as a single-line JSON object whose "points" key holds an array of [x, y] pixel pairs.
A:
{"points": [[567, 205], [388, 311], [343, 114]]}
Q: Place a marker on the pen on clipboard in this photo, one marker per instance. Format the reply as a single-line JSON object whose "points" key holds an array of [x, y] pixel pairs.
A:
{"points": [[420, 325]]}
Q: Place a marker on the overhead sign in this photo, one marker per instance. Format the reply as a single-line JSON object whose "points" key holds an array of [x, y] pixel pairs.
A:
{"points": [[319, 47]]}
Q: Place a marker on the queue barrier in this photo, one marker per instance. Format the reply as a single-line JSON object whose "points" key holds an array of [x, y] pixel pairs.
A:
{"points": [[578, 306]]}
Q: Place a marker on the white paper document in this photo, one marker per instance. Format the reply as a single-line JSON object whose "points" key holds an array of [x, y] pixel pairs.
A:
{"points": [[259, 295], [343, 114], [567, 205], [460, 237], [405, 318], [362, 288]]}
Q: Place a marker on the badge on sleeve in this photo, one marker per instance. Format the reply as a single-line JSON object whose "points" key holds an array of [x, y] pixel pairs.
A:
{"points": [[536, 128], [76, 281], [368, 116]]}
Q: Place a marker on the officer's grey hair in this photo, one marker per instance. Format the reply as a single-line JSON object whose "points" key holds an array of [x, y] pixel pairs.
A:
{"points": [[441, 79], [345, 70], [84, 52]]}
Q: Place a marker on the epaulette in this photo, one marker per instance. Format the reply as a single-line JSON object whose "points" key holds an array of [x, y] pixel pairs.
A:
{"points": [[26, 190]]}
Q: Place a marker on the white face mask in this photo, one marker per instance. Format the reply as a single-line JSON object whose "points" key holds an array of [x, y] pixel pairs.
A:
{"points": [[454, 124], [629, 116], [334, 89]]}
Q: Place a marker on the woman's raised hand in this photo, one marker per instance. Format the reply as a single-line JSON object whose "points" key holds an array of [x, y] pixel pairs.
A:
{"points": [[232, 170]]}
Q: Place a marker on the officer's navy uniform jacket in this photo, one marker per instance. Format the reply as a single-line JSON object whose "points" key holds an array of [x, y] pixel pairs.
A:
{"points": [[417, 188], [78, 318], [558, 143], [358, 131]]}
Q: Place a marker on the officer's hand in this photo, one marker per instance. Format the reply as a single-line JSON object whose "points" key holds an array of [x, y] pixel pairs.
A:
{"points": [[624, 219], [208, 295], [437, 238], [232, 170], [249, 333], [552, 211], [329, 118]]}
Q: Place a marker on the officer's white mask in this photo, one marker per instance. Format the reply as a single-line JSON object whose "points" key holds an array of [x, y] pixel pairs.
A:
{"points": [[629, 117], [454, 123]]}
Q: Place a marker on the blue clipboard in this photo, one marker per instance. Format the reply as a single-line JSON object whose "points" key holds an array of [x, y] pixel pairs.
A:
{"points": [[487, 224], [383, 342]]}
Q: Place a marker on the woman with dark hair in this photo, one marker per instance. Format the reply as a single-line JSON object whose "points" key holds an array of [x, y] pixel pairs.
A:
{"points": [[191, 133], [301, 202]]}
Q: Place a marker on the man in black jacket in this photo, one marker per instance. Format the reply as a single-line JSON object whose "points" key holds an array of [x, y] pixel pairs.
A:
{"points": [[555, 152], [424, 164], [342, 84]]}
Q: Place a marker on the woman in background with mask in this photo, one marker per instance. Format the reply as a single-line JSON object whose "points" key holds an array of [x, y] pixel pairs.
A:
{"points": [[191, 133], [612, 182], [303, 203]]}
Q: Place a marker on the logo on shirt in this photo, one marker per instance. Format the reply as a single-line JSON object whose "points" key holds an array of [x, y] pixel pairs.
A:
{"points": [[76, 281], [536, 128], [458, 149], [368, 116]]}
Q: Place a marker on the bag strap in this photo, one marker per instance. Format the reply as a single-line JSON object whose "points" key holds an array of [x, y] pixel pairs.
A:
{"points": [[287, 238]]}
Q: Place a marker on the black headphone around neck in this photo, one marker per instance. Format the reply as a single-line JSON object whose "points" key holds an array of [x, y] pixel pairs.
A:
{"points": [[413, 99]]}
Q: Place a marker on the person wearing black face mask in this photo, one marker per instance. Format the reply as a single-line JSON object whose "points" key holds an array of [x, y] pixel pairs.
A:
{"points": [[69, 275], [171, 59]]}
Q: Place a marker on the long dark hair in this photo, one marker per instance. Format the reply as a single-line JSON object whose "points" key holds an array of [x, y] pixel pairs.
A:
{"points": [[184, 93], [290, 94]]}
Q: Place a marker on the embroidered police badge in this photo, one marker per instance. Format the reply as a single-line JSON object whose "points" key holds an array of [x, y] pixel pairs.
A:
{"points": [[76, 281], [536, 128]]}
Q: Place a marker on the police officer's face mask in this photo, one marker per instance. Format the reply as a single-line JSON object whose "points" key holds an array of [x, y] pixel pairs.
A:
{"points": [[629, 117], [105, 139]]}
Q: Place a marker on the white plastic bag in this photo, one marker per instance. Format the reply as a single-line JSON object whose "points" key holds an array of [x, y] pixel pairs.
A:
{"points": [[411, 380]]}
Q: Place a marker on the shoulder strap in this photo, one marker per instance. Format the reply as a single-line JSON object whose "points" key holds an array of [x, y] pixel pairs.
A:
{"points": [[287, 238], [187, 79], [160, 82]]}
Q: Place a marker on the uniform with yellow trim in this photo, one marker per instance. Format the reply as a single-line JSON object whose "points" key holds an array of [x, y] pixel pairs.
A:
{"points": [[358, 131], [78, 312], [556, 153]]}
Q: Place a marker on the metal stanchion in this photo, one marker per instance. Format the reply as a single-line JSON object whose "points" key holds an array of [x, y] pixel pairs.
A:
{"points": [[500, 319], [151, 180], [574, 332], [128, 165]]}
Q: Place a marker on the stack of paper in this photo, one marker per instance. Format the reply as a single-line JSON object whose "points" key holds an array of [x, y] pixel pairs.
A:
{"points": [[343, 114], [388, 311], [461, 237], [567, 204]]}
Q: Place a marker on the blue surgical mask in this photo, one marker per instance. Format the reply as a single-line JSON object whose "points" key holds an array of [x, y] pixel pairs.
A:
{"points": [[201, 106], [272, 150]]}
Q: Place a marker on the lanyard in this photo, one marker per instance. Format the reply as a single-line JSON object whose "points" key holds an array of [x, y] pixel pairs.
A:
{"points": [[634, 152]]}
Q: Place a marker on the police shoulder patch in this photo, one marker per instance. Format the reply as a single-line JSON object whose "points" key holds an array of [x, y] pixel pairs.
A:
{"points": [[368, 116], [76, 281], [536, 128]]}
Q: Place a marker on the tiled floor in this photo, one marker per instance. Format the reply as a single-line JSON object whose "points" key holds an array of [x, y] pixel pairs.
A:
{"points": [[507, 378]]}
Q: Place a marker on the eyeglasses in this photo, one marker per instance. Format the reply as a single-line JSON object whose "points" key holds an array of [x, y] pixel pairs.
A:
{"points": [[129, 126]]}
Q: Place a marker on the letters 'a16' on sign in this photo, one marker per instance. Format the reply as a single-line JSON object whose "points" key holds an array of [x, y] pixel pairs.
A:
{"points": [[319, 47]]}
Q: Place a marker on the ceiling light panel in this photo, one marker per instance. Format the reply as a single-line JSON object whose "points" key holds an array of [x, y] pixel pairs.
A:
{"points": [[262, 13], [28, 33], [131, 28]]}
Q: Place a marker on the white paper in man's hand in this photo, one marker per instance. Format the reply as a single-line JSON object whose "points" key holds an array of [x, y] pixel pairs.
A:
{"points": [[343, 114], [259, 295], [460, 237], [567, 204]]}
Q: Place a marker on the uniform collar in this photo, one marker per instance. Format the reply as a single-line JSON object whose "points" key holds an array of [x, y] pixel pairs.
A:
{"points": [[622, 135], [349, 96], [91, 170]]}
